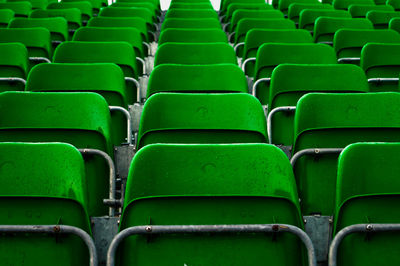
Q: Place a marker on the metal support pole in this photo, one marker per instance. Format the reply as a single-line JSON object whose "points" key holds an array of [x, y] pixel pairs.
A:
{"points": [[269, 118], [318, 151], [128, 121], [137, 85]]}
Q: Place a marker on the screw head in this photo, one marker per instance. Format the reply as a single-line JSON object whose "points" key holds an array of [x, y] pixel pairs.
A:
{"points": [[369, 227], [148, 229]]}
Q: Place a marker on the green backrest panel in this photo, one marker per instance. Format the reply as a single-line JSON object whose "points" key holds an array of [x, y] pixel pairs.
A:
{"points": [[270, 55], [21, 9], [36, 40], [226, 3], [394, 24], [57, 26], [284, 4], [6, 15], [345, 4], [13, 63], [94, 34], [191, 13], [139, 12], [240, 14], [349, 42], [43, 184], [120, 53], [190, 5], [372, 166], [84, 6], [36, 4], [381, 60], [137, 23], [360, 11], [325, 27], [247, 24], [309, 16], [149, 6], [192, 36], [335, 121], [202, 118], [72, 15], [225, 187], [295, 9], [291, 81], [244, 6], [96, 4], [154, 2], [188, 23], [381, 19], [394, 3], [197, 78], [195, 53]]}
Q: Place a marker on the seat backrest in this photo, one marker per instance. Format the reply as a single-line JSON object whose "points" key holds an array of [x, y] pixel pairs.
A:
{"points": [[227, 184], [134, 22], [349, 42], [72, 15], [43, 184], [255, 14], [120, 53], [360, 11], [270, 55], [190, 23], [367, 192], [84, 6], [20, 9], [191, 5], [6, 15], [114, 34], [381, 19], [96, 4], [192, 36], [202, 118], [13, 64], [394, 24], [381, 60], [309, 16], [197, 78], [36, 4], [394, 3], [335, 120], [191, 13], [325, 27], [284, 4], [149, 6], [295, 9], [244, 6], [195, 54], [289, 82], [58, 26], [226, 3], [345, 4]]}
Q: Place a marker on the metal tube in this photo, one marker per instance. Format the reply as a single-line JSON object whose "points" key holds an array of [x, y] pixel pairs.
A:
{"points": [[55, 229], [143, 64], [137, 85], [299, 154], [225, 26], [112, 174], [12, 79], [251, 59], [348, 59], [237, 46], [205, 229], [156, 26], [39, 59], [266, 80], [357, 228], [269, 118], [128, 121], [327, 42], [148, 50], [382, 80], [230, 35]]}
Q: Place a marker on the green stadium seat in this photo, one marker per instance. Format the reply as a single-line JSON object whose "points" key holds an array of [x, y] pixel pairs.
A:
{"points": [[36, 4], [191, 13], [284, 4], [394, 3], [325, 27], [155, 2], [96, 4], [202, 118], [289, 82], [36, 40], [43, 184], [345, 4], [335, 120], [381, 65], [6, 15], [226, 3], [238, 15], [14, 66], [72, 15], [348, 43], [183, 5], [192, 36], [374, 200], [120, 53], [20, 9], [197, 79], [244, 6], [190, 23], [394, 24], [270, 55], [309, 16], [81, 119], [84, 6], [104, 79], [296, 8], [360, 11], [225, 186], [381, 19], [149, 6], [130, 12], [57, 26], [257, 37], [195, 54]]}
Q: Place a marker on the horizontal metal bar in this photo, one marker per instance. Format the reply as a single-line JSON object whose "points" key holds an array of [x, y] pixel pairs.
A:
{"points": [[357, 228], [317, 151], [289, 109], [12, 79], [258, 81], [137, 85], [349, 59], [205, 229], [55, 229], [383, 80], [251, 59], [128, 121], [112, 173], [39, 59], [56, 42], [327, 42]]}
